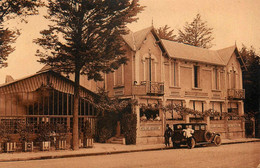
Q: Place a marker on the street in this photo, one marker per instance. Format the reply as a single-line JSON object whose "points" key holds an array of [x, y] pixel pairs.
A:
{"points": [[245, 155]]}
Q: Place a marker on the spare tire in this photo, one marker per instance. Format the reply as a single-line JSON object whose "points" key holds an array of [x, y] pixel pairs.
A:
{"points": [[208, 136]]}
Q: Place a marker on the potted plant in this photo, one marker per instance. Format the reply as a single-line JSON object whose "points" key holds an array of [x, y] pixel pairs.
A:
{"points": [[61, 135], [1, 136], [24, 131], [81, 139], [87, 135], [9, 145], [44, 136], [7, 142]]}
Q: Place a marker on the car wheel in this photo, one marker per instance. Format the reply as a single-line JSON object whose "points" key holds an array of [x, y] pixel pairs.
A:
{"points": [[217, 140], [191, 143]]}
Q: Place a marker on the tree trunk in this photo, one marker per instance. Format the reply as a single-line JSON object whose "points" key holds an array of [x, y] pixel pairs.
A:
{"points": [[75, 131]]}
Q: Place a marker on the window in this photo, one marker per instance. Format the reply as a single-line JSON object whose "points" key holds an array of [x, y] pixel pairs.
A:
{"points": [[149, 69], [197, 127], [118, 76], [215, 79], [174, 74], [196, 76]]}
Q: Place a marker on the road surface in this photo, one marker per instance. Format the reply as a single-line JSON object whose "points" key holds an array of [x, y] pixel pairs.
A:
{"points": [[246, 155]]}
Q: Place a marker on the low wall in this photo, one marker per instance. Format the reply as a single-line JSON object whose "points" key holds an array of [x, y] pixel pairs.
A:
{"points": [[230, 129], [150, 132]]}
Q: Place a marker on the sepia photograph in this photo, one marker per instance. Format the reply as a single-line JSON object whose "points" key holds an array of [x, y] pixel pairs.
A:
{"points": [[129, 84]]}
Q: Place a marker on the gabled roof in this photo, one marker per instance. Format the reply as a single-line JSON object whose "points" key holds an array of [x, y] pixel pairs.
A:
{"points": [[226, 53], [135, 40], [140, 36], [129, 39], [188, 52], [183, 51]]}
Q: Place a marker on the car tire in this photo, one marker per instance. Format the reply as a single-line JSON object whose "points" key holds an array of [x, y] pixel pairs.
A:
{"points": [[191, 143], [217, 140]]}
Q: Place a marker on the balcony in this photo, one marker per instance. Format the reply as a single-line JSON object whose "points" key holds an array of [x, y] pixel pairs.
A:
{"points": [[236, 94], [149, 88]]}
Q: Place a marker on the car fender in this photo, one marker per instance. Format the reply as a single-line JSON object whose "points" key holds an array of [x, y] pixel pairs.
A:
{"points": [[215, 134]]}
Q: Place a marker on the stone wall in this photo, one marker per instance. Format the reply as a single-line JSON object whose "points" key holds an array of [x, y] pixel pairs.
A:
{"points": [[151, 132], [229, 129]]}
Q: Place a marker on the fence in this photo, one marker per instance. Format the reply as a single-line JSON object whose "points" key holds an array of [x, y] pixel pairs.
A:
{"points": [[11, 122]]}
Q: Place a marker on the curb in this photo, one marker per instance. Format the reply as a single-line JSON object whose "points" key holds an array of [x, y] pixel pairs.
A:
{"points": [[249, 141], [104, 153], [80, 155]]}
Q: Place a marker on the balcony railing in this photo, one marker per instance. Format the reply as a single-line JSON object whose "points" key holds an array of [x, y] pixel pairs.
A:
{"points": [[153, 88], [236, 94]]}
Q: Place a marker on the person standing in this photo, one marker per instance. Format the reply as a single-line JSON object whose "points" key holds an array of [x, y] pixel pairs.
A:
{"points": [[187, 133], [167, 135]]}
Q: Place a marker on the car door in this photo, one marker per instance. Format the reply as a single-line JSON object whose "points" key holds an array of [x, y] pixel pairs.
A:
{"points": [[197, 133]]}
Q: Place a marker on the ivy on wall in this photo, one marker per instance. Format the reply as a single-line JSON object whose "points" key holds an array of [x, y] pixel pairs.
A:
{"points": [[183, 110]]}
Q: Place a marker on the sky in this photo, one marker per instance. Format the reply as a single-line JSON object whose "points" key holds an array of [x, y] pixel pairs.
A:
{"points": [[233, 22]]}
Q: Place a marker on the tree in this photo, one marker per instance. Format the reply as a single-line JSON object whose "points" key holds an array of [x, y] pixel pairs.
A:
{"points": [[10, 9], [85, 39], [196, 33], [251, 80], [165, 33]]}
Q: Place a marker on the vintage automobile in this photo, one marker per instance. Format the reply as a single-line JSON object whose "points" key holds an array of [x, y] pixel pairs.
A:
{"points": [[199, 135]]}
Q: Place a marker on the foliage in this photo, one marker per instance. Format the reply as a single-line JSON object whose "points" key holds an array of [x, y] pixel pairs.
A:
{"points": [[196, 33], [182, 110], [85, 38], [86, 130], [5, 133], [86, 35], [7, 37], [129, 122], [212, 113], [2, 132], [105, 127], [108, 104], [44, 131], [231, 115], [149, 110], [112, 109], [61, 131], [10, 9], [24, 130], [165, 33], [149, 106], [251, 81]]}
